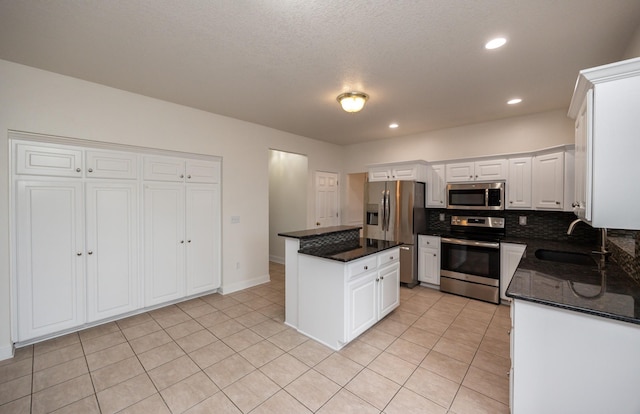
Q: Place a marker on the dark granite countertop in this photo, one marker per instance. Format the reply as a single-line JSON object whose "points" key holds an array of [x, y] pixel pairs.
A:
{"points": [[320, 231], [609, 293], [346, 252]]}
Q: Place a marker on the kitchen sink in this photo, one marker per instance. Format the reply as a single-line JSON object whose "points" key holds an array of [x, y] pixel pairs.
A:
{"points": [[583, 259]]}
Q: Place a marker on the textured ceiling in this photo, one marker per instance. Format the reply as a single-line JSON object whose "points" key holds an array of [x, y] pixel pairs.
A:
{"points": [[281, 63]]}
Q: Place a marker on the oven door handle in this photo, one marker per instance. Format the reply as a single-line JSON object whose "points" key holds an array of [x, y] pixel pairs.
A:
{"points": [[490, 245]]}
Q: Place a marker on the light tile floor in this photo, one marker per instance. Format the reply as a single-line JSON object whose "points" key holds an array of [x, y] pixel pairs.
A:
{"points": [[436, 353]]}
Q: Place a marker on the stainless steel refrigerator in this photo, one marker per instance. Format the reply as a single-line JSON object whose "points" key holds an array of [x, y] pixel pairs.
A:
{"points": [[394, 210]]}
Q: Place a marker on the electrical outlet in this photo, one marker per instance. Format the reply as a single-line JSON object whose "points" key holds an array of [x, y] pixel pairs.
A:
{"points": [[441, 216], [522, 220]]}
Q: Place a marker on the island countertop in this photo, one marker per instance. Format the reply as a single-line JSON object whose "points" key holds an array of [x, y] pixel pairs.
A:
{"points": [[609, 293], [320, 231], [346, 252]]}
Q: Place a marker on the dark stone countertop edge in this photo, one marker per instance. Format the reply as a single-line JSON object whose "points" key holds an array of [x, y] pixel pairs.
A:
{"points": [[617, 281], [322, 231], [351, 253]]}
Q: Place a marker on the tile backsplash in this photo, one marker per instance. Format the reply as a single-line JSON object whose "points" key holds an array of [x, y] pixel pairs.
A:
{"points": [[546, 225]]}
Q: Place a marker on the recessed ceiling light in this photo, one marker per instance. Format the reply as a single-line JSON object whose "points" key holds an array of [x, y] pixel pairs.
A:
{"points": [[514, 101], [495, 43], [394, 125]]}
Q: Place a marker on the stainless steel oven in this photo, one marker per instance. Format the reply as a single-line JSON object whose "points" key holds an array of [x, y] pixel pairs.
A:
{"points": [[470, 258]]}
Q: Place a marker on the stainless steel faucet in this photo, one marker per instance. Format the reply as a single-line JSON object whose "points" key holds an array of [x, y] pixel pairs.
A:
{"points": [[603, 252]]}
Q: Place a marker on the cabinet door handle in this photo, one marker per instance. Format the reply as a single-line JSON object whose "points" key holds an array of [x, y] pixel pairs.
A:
{"points": [[434, 255], [181, 175], [89, 252], [391, 258], [381, 277], [78, 169], [90, 169], [181, 241], [366, 268], [377, 279], [188, 241], [557, 203], [189, 176], [79, 253]]}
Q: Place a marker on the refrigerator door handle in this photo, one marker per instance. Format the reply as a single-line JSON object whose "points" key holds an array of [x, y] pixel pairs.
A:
{"points": [[388, 214], [384, 210]]}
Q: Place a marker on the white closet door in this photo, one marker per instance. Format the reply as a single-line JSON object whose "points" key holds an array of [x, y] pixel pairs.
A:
{"points": [[203, 229], [164, 242], [112, 246], [50, 257]]}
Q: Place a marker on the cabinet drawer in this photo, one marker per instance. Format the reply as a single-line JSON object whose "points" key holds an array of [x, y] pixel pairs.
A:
{"points": [[361, 266], [111, 164], [48, 160], [388, 256], [429, 241]]}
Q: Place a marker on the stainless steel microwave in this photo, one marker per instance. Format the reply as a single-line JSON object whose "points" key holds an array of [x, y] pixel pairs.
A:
{"points": [[476, 196]]}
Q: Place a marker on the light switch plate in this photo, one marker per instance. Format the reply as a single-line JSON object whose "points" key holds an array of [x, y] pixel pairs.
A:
{"points": [[522, 220], [235, 219]]}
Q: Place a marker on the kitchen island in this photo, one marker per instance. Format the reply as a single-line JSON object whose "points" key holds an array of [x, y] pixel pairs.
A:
{"points": [[575, 335], [337, 284]]}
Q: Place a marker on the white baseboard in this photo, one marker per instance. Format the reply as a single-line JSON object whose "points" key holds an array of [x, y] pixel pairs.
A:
{"points": [[6, 352], [234, 287], [276, 259]]}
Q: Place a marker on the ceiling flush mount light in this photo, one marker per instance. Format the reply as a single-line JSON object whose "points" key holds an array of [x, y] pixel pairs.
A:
{"points": [[393, 126], [514, 101], [495, 43], [352, 101]]}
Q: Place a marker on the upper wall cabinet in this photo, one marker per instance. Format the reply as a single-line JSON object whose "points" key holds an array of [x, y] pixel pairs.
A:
{"points": [[519, 183], [178, 170], [486, 170], [605, 106], [406, 171], [436, 186], [50, 159]]}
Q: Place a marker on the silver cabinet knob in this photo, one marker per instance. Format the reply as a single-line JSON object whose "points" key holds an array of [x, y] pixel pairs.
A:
{"points": [[90, 252], [79, 253], [377, 279], [90, 170], [189, 176], [188, 241], [557, 203], [366, 268], [391, 258], [381, 277], [181, 241], [78, 170], [434, 255], [181, 175]]}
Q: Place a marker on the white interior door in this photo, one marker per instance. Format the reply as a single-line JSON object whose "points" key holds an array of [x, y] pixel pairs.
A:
{"points": [[326, 199]]}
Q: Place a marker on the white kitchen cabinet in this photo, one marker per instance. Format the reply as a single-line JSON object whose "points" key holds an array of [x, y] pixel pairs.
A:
{"points": [[510, 256], [571, 362], [548, 181], [338, 301], [605, 105], [519, 185], [436, 186], [48, 159], [49, 257], [157, 168], [202, 236], [181, 232], [429, 259], [111, 164], [111, 249], [485, 170], [406, 171], [77, 236]]}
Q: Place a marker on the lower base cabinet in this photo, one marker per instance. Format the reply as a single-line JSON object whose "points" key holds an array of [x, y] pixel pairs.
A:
{"points": [[572, 362], [429, 259], [510, 256], [339, 301]]}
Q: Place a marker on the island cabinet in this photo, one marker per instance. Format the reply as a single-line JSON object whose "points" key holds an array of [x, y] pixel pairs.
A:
{"points": [[605, 106], [344, 299], [572, 362]]}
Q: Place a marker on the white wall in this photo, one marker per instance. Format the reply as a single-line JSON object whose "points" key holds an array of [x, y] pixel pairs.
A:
{"points": [[37, 101], [633, 49], [287, 198], [511, 135]]}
